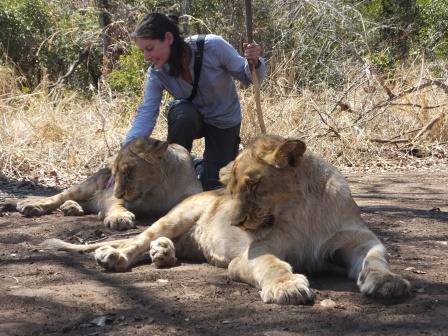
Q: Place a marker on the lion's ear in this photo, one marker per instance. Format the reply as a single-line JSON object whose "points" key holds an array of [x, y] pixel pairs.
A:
{"points": [[290, 152], [225, 173], [148, 149], [158, 148]]}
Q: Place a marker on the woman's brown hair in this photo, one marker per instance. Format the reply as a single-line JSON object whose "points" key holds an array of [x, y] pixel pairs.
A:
{"points": [[154, 26]]}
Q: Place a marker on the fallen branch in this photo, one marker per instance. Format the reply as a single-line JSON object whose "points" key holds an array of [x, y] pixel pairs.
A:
{"points": [[388, 141], [421, 131], [388, 102], [428, 126]]}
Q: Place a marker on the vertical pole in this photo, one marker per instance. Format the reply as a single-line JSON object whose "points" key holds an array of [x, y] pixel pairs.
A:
{"points": [[256, 83]]}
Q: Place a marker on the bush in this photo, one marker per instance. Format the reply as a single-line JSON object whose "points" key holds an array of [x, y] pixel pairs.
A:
{"points": [[129, 74], [24, 24], [34, 36]]}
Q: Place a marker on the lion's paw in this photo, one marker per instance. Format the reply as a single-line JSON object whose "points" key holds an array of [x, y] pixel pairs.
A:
{"points": [[162, 252], [34, 207], [120, 221], [111, 258], [382, 284], [294, 290], [71, 208]]}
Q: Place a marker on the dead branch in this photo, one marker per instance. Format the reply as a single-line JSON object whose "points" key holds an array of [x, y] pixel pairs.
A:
{"points": [[371, 71], [402, 94], [372, 74], [432, 82], [428, 126], [384, 141], [330, 128], [81, 58], [422, 130]]}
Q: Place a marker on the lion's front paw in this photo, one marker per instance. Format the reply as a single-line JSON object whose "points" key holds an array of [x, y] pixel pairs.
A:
{"points": [[120, 220], [35, 207], [111, 258], [383, 284], [71, 208], [162, 252], [294, 290]]}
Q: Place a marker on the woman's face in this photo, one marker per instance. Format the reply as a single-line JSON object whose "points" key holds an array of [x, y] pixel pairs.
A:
{"points": [[155, 51]]}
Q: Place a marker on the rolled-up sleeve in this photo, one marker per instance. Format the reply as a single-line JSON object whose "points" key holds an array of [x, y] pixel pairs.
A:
{"points": [[233, 62], [148, 111]]}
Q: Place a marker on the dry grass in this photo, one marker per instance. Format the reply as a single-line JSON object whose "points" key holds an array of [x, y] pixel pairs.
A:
{"points": [[59, 137]]}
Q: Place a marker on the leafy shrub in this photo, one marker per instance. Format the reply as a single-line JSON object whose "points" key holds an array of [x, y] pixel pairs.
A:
{"points": [[433, 32], [129, 74], [23, 26]]}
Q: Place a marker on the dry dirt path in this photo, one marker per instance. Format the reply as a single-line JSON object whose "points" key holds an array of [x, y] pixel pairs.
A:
{"points": [[44, 293]]}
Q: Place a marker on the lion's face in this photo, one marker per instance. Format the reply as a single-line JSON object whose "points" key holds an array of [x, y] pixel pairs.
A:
{"points": [[137, 168], [260, 179]]}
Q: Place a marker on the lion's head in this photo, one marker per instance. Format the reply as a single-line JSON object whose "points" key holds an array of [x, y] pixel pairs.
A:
{"points": [[262, 177], [137, 168]]}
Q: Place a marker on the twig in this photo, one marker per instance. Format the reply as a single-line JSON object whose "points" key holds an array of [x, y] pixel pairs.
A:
{"points": [[419, 134], [330, 128], [340, 103], [81, 58], [103, 130], [388, 101], [388, 141], [371, 72], [428, 126], [12, 277]]}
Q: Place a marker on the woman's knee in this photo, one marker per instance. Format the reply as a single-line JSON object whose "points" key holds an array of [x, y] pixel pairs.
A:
{"points": [[184, 114]]}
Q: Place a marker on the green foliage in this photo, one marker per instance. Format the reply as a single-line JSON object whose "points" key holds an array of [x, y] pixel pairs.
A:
{"points": [[129, 75], [34, 37], [433, 32], [66, 40], [315, 37], [23, 25], [394, 22]]}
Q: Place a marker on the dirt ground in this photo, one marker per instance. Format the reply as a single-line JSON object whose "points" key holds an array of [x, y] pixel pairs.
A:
{"points": [[45, 293]]}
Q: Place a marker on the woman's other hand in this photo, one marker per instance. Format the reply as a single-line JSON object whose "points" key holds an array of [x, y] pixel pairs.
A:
{"points": [[252, 51]]}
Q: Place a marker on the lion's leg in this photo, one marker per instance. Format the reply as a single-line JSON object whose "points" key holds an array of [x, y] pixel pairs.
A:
{"points": [[366, 260], [162, 252], [259, 267], [39, 206], [174, 224], [71, 208], [116, 216]]}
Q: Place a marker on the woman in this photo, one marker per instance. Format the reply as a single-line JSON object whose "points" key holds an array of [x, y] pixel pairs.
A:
{"points": [[214, 112]]}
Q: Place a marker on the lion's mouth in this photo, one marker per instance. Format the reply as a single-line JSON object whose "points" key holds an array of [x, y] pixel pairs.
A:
{"points": [[268, 221]]}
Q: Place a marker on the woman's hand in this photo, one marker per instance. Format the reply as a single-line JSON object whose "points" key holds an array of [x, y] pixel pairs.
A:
{"points": [[252, 51]]}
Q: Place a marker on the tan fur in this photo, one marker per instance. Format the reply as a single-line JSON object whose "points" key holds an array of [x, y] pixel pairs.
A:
{"points": [[150, 178], [283, 211]]}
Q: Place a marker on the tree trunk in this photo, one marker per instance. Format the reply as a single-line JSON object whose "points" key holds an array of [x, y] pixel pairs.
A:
{"points": [[105, 19]]}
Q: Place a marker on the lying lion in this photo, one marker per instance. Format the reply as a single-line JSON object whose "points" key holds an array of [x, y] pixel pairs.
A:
{"points": [[282, 211], [150, 178]]}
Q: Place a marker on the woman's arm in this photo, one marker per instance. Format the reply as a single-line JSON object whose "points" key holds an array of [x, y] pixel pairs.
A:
{"points": [[237, 65], [148, 111]]}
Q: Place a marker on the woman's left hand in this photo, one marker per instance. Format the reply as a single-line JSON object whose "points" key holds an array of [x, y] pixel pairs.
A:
{"points": [[252, 51]]}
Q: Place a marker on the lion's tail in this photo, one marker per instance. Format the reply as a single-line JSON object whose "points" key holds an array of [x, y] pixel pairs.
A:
{"points": [[60, 245]]}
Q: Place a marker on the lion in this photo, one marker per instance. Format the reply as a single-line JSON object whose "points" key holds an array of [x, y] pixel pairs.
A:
{"points": [[283, 211], [151, 176]]}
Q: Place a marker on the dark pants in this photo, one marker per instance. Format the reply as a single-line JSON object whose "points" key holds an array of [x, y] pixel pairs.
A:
{"points": [[185, 124]]}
